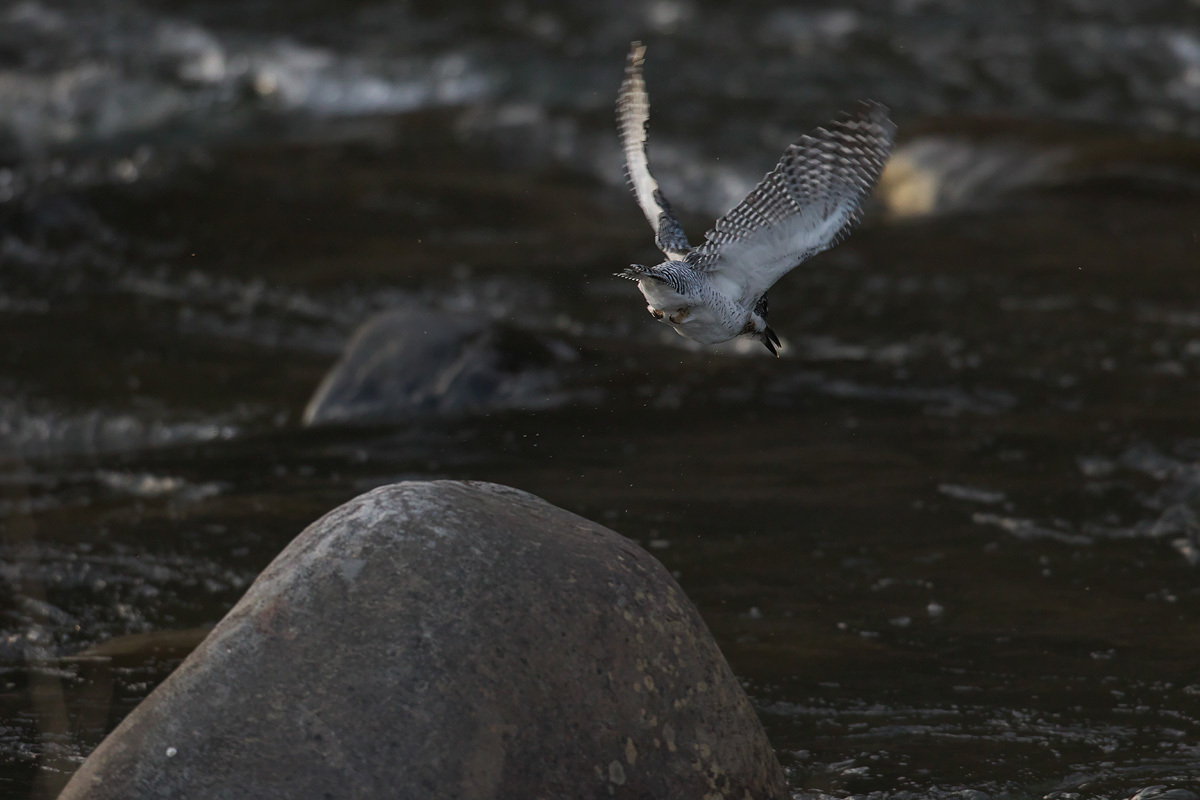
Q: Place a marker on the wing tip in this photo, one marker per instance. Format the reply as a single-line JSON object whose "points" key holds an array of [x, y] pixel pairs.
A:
{"points": [[867, 129], [632, 101], [637, 54], [872, 112]]}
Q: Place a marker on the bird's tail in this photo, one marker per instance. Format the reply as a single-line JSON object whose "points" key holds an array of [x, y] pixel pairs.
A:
{"points": [[635, 272]]}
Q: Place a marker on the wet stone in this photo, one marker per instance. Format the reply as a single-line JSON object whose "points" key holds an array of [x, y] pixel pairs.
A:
{"points": [[408, 362], [448, 639]]}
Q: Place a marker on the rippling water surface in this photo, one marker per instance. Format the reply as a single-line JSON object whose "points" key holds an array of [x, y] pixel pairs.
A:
{"points": [[950, 540]]}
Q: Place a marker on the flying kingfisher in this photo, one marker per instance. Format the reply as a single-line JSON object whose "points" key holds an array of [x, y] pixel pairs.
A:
{"points": [[808, 203]]}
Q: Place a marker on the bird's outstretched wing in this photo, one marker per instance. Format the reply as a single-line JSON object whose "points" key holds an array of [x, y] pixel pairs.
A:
{"points": [[807, 204], [633, 115]]}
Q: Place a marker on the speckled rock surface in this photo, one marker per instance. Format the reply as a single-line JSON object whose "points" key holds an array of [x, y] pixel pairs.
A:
{"points": [[447, 640], [408, 362]]}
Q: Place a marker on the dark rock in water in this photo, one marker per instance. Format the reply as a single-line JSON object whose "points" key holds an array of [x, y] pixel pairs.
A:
{"points": [[1160, 792], [448, 640], [406, 362]]}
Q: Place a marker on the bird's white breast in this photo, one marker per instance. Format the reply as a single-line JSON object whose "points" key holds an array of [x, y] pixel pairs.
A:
{"points": [[709, 318], [661, 296], [704, 324]]}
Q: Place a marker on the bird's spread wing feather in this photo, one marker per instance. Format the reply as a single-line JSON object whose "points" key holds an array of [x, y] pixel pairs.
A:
{"points": [[805, 205], [633, 114]]}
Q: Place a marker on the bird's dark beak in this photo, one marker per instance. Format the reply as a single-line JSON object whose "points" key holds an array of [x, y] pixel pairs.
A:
{"points": [[770, 340]]}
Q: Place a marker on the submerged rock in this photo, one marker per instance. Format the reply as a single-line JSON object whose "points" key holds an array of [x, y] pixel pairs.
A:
{"points": [[138, 648], [406, 362], [450, 640]]}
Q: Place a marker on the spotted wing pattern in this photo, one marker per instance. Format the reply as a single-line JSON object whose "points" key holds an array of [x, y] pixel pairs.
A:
{"points": [[633, 116], [807, 204]]}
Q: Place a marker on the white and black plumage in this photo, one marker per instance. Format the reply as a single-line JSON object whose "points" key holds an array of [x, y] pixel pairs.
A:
{"points": [[808, 203]]}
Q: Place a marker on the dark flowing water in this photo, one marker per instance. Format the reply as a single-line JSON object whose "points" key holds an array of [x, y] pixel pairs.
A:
{"points": [[950, 541]]}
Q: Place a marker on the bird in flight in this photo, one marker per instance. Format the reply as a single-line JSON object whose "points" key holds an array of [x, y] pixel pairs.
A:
{"points": [[718, 290]]}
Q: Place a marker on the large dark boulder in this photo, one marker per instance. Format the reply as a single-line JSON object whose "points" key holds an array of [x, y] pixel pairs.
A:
{"points": [[447, 640], [408, 362]]}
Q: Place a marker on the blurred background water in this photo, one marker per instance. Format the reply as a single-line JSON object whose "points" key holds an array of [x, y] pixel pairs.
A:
{"points": [[950, 541]]}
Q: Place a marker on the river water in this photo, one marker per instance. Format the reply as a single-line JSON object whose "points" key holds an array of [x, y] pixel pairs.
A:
{"points": [[950, 540]]}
